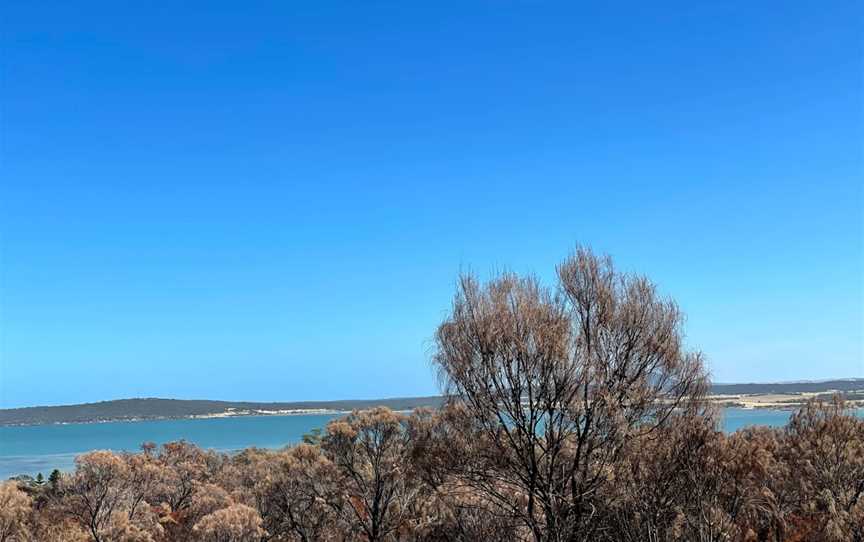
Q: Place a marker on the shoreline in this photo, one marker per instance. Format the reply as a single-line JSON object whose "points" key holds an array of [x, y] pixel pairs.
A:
{"points": [[781, 401], [209, 416]]}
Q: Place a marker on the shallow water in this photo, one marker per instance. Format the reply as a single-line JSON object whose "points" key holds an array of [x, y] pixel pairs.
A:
{"points": [[42, 448], [739, 418]]}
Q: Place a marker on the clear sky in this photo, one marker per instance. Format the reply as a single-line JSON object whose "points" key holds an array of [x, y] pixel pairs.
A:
{"points": [[272, 200]]}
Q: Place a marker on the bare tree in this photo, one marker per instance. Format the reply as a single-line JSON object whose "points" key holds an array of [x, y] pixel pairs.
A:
{"points": [[653, 490], [556, 383], [98, 489], [185, 467], [304, 497], [296, 491], [452, 510], [372, 449], [105, 494]]}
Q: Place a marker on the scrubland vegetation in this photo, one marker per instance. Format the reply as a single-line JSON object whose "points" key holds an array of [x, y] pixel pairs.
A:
{"points": [[573, 414]]}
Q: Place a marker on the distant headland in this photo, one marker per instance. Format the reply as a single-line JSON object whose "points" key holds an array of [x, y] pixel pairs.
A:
{"points": [[165, 409], [780, 395]]}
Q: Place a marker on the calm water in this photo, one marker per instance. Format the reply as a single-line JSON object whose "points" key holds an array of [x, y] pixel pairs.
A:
{"points": [[28, 450], [42, 448]]}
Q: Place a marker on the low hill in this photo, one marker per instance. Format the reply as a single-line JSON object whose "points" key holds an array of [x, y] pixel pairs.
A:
{"points": [[152, 409]]}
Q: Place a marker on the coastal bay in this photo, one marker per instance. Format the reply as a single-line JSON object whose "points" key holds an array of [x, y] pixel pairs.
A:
{"points": [[42, 448]]}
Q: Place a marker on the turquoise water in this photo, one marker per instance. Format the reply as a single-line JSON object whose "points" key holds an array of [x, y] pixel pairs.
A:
{"points": [[739, 418], [41, 448]]}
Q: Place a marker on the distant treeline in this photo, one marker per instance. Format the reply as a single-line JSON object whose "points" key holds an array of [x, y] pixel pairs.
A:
{"points": [[149, 409], [845, 385]]}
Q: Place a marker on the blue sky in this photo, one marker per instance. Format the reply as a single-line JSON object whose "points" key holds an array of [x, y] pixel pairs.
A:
{"points": [[272, 200]]}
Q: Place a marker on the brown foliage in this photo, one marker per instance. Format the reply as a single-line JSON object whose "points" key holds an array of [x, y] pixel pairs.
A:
{"points": [[825, 450], [380, 475], [235, 523], [14, 510], [574, 414]]}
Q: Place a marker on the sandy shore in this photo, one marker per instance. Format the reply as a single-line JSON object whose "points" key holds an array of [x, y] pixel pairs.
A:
{"points": [[780, 401]]}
